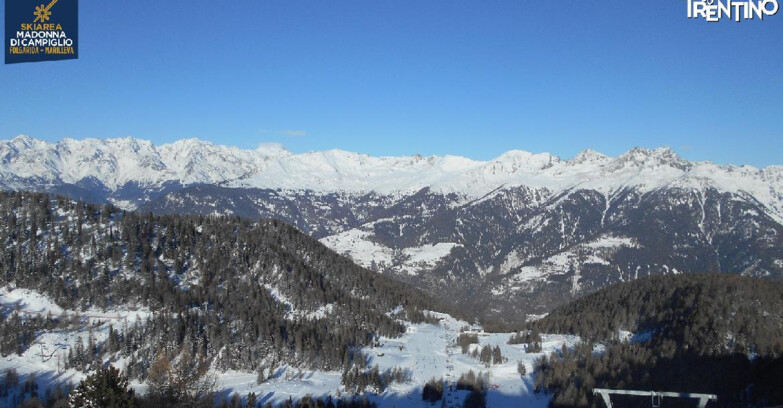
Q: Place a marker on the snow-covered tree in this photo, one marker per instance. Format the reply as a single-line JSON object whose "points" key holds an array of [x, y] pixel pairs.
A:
{"points": [[106, 388]]}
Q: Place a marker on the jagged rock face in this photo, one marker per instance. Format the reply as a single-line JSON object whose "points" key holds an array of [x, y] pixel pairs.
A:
{"points": [[514, 235]]}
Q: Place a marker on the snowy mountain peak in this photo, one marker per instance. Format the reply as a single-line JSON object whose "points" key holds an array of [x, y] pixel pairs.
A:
{"points": [[590, 156], [659, 156], [272, 149], [516, 160], [29, 163], [24, 139], [25, 142]]}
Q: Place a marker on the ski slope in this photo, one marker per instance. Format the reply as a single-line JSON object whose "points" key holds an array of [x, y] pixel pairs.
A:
{"points": [[427, 350]]}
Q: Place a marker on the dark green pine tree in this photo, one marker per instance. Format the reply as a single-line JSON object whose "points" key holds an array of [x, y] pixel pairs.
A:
{"points": [[106, 388]]}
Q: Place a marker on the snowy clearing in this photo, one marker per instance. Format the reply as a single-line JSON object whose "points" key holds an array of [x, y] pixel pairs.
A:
{"points": [[358, 245], [426, 350]]}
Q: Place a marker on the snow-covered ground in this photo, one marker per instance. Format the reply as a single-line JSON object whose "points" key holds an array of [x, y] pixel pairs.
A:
{"points": [[520, 278], [358, 244], [292, 313], [34, 303], [49, 351], [426, 350]]}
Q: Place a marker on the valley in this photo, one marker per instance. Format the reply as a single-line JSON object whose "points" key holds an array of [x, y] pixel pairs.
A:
{"points": [[515, 235], [425, 351], [360, 290]]}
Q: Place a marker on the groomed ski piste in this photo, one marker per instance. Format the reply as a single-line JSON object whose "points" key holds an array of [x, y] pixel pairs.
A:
{"points": [[426, 350]]}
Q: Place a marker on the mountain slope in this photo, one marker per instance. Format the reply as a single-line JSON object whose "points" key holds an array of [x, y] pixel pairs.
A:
{"points": [[520, 249], [518, 234], [116, 164], [671, 334], [710, 313], [243, 295]]}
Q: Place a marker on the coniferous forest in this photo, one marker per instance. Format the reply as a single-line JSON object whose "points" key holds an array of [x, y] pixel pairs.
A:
{"points": [[238, 294], [706, 333], [230, 293]]}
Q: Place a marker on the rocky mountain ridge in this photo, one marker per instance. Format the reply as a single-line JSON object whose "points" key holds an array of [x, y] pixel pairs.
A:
{"points": [[507, 237]]}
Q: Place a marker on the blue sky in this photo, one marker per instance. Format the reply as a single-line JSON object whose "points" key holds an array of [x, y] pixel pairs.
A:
{"points": [[473, 78]]}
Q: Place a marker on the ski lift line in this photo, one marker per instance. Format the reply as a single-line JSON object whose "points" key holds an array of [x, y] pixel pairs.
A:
{"points": [[605, 393]]}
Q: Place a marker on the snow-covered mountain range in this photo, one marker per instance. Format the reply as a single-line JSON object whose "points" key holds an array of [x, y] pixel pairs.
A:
{"points": [[518, 233], [114, 164]]}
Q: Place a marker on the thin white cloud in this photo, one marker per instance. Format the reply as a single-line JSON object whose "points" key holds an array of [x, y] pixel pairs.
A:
{"points": [[293, 133]]}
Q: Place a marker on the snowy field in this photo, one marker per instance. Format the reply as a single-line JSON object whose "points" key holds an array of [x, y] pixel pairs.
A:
{"points": [[359, 245], [427, 350], [46, 357]]}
